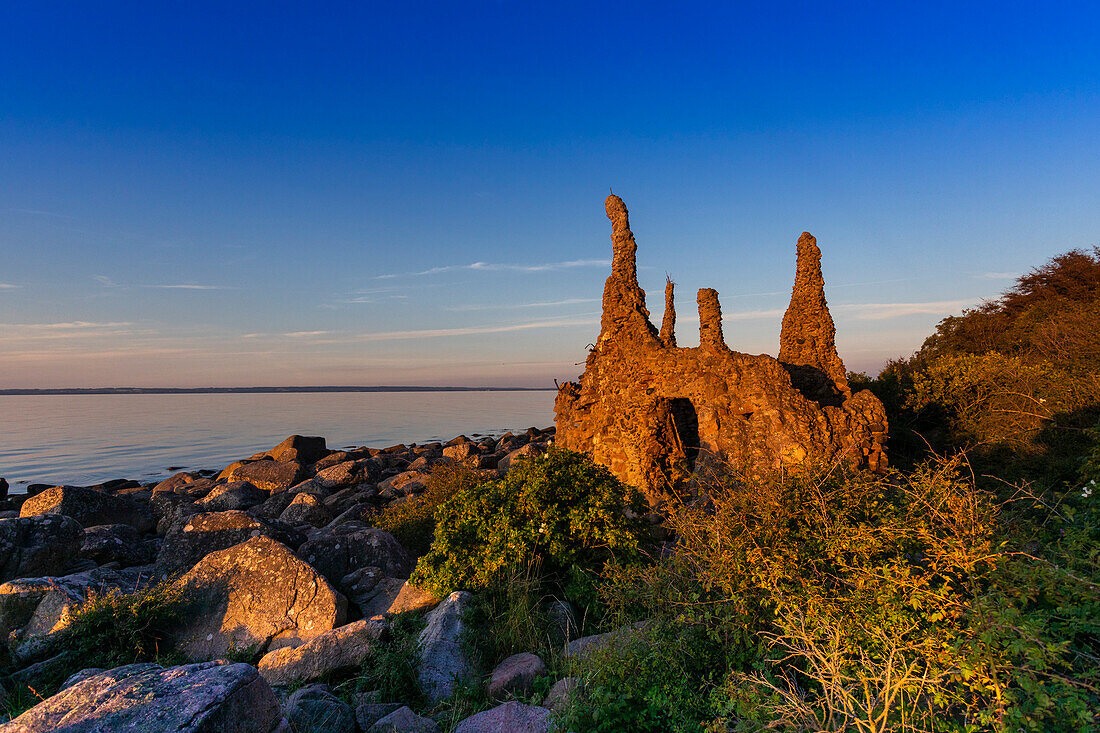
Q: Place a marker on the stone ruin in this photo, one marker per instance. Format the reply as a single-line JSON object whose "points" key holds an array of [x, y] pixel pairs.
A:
{"points": [[658, 415]]}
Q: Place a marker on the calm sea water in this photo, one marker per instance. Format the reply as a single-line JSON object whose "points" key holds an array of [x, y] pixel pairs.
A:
{"points": [[86, 439]]}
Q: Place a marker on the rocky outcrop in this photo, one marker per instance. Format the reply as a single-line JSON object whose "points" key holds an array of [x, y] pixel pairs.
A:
{"points": [[255, 595], [89, 507], [658, 415], [807, 343], [443, 663], [339, 649], [38, 545], [212, 697]]}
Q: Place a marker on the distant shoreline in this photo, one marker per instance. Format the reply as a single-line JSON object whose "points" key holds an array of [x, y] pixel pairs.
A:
{"points": [[255, 390]]}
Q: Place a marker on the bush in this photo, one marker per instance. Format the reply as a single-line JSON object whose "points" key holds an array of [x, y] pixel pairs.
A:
{"points": [[560, 513], [412, 522]]}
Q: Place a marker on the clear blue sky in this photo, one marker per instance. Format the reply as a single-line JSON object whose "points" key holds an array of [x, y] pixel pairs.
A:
{"points": [[412, 193]]}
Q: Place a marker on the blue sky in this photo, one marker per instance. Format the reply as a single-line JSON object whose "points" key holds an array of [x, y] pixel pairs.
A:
{"points": [[267, 194]]}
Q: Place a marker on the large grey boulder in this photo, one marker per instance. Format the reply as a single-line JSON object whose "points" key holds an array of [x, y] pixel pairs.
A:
{"points": [[213, 697], [314, 709], [255, 595], [197, 535], [301, 448], [348, 473], [404, 720], [561, 694], [119, 543], [443, 662], [232, 495], [392, 596], [39, 545], [271, 476], [511, 717], [516, 674], [341, 648], [306, 509], [89, 507], [337, 550]]}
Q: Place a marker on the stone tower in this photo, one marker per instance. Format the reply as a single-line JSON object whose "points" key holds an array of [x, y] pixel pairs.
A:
{"points": [[655, 413]]}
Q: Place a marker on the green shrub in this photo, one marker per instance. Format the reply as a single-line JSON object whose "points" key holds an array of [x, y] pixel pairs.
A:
{"points": [[412, 522], [559, 512], [391, 665]]}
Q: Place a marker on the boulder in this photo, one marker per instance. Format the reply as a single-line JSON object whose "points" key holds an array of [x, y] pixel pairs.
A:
{"points": [[368, 712], [119, 543], [339, 649], [527, 451], [214, 697], [198, 535], [232, 495], [271, 476], [3, 488], [582, 647], [314, 709], [460, 451], [561, 694], [89, 508], [348, 473], [306, 509], [38, 545], [175, 481], [404, 720], [511, 717], [255, 595], [516, 675], [392, 596], [300, 448], [443, 662], [358, 585], [338, 550]]}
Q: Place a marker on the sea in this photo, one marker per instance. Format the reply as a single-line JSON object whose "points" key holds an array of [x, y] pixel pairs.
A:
{"points": [[87, 439]]}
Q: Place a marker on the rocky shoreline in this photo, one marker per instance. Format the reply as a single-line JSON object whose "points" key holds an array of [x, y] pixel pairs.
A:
{"points": [[277, 557]]}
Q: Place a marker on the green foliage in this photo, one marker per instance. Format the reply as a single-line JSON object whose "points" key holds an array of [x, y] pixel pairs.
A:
{"points": [[412, 521], [390, 666], [109, 630], [115, 628], [559, 512]]}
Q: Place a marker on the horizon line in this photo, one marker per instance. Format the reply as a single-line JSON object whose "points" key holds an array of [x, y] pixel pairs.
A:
{"points": [[15, 391]]}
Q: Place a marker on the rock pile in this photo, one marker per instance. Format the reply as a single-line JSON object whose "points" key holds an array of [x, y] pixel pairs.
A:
{"points": [[277, 561]]}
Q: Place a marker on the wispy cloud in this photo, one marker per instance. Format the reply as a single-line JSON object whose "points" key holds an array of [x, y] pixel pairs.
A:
{"points": [[997, 275], [186, 287], [9, 286], [882, 311], [105, 281], [305, 334], [586, 320], [10, 332], [542, 304], [501, 267]]}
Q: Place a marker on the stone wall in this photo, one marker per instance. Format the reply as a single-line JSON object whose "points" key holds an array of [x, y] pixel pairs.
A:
{"points": [[655, 413]]}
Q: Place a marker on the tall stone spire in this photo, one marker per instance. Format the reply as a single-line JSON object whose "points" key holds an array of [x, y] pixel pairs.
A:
{"points": [[710, 319], [623, 300], [668, 323], [808, 335]]}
